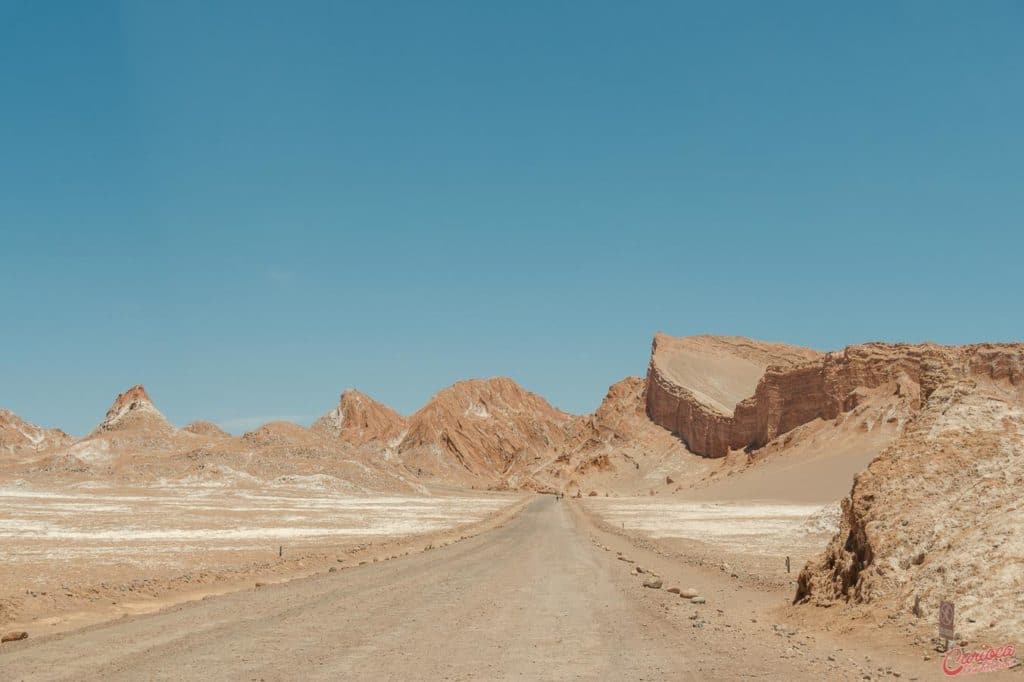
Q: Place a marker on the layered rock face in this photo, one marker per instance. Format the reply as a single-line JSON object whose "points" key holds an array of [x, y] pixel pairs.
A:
{"points": [[484, 426], [18, 435], [937, 516], [792, 391], [699, 387], [360, 420]]}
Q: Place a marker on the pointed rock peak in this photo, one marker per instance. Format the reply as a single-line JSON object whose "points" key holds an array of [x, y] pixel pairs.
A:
{"points": [[133, 408], [359, 419]]}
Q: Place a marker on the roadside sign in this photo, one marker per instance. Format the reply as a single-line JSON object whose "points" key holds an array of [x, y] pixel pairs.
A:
{"points": [[946, 630]]}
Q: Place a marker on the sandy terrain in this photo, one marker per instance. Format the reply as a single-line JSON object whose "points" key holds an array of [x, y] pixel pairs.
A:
{"points": [[86, 552]]}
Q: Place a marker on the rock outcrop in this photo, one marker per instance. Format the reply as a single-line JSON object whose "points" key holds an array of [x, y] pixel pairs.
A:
{"points": [[18, 435], [358, 419], [937, 516], [699, 386], [134, 411]]}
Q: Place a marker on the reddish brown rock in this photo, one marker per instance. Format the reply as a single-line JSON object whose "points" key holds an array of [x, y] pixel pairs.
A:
{"points": [[491, 428], [798, 386], [358, 419]]}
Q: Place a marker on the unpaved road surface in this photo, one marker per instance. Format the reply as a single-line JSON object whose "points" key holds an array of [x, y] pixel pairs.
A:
{"points": [[533, 599]]}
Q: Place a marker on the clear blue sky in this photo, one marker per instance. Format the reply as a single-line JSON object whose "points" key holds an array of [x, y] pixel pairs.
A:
{"points": [[249, 206]]}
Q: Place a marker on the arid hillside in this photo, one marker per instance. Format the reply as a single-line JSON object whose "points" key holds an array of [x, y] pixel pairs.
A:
{"points": [[18, 436]]}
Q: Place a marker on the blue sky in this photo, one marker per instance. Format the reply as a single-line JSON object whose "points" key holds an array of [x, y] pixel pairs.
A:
{"points": [[250, 206]]}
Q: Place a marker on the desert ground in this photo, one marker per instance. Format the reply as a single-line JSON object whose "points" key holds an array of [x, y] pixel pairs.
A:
{"points": [[551, 593]]}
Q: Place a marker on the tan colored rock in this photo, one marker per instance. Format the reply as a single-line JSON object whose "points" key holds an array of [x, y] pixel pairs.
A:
{"points": [[937, 515], [205, 428], [14, 636]]}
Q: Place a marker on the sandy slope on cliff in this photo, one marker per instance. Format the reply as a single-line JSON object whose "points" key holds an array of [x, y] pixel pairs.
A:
{"points": [[815, 462]]}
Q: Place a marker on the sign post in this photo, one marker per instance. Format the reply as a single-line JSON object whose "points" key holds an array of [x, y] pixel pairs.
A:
{"points": [[946, 629]]}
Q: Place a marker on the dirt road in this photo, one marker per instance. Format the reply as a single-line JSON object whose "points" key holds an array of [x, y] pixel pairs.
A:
{"points": [[533, 600]]}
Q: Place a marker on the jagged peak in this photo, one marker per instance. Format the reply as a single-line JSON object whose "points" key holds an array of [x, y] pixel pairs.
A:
{"points": [[359, 419], [133, 408]]}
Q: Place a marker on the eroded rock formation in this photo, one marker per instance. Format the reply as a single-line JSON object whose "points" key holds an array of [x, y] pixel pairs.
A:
{"points": [[937, 516]]}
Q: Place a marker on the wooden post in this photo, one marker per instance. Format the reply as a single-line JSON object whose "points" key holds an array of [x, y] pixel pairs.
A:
{"points": [[787, 564], [280, 551]]}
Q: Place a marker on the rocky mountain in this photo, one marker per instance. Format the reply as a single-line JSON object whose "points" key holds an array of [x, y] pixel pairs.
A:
{"points": [[488, 429], [18, 436], [937, 516], [358, 419]]}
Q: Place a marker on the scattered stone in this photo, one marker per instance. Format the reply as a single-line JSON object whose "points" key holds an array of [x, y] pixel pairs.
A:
{"points": [[653, 584], [673, 590], [698, 600], [689, 593], [332, 569], [261, 584], [14, 636]]}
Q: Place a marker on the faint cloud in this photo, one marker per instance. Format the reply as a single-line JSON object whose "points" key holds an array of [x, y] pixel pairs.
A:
{"points": [[239, 425]]}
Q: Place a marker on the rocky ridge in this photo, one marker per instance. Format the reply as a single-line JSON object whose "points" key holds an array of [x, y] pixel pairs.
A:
{"points": [[19, 436]]}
